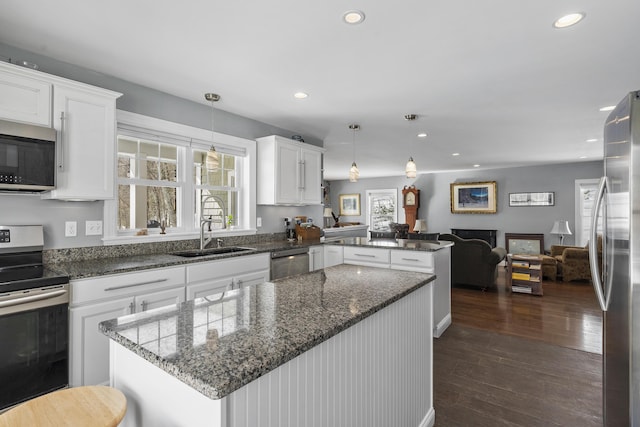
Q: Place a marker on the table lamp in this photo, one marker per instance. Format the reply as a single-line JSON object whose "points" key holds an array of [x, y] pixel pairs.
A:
{"points": [[420, 225], [327, 214], [561, 227]]}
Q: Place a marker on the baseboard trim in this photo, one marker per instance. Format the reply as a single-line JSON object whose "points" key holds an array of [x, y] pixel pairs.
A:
{"points": [[429, 420], [442, 326]]}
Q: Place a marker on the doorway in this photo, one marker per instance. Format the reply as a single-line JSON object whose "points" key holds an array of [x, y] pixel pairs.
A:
{"points": [[382, 209]]}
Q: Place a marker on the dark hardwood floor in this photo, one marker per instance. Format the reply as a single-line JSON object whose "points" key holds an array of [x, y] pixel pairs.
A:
{"points": [[520, 360]]}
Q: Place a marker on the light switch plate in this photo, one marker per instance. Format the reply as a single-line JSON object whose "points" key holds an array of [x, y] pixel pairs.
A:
{"points": [[259, 222], [93, 228]]}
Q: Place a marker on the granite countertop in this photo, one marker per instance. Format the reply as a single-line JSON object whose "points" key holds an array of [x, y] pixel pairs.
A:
{"points": [[220, 343], [114, 265], [404, 244]]}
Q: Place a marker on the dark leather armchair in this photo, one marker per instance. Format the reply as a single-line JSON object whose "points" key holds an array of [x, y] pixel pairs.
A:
{"points": [[473, 262]]}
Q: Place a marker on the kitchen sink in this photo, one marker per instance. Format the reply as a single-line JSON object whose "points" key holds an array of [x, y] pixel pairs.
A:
{"points": [[211, 251]]}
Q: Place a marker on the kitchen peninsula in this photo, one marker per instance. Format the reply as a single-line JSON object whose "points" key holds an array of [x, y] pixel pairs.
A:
{"points": [[348, 345], [426, 256]]}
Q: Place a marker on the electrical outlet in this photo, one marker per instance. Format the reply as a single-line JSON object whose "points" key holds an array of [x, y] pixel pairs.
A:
{"points": [[259, 222], [93, 228], [70, 229]]}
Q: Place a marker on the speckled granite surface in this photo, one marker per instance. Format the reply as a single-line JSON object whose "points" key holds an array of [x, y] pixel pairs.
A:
{"points": [[220, 343], [123, 264], [132, 258]]}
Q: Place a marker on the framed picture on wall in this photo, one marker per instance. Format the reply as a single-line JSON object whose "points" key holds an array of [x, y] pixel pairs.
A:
{"points": [[474, 197], [349, 204], [546, 198]]}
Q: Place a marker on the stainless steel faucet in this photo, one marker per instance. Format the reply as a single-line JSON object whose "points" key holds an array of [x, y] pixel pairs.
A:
{"points": [[204, 220]]}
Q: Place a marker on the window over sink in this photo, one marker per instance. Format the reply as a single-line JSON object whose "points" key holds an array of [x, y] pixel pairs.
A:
{"points": [[164, 172]]}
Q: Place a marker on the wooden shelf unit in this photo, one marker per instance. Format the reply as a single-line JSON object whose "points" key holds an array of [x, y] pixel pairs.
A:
{"points": [[524, 274]]}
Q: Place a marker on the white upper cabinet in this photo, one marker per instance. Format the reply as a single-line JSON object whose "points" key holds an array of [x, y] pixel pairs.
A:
{"points": [[23, 98], [85, 120], [289, 172]]}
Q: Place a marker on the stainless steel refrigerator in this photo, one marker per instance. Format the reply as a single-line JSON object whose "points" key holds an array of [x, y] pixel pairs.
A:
{"points": [[616, 273]]}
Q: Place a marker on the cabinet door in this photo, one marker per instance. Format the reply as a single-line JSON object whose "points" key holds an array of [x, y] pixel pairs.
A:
{"points": [[157, 299], [287, 173], [248, 279], [333, 255], [209, 287], [311, 175], [316, 258], [25, 99], [85, 159], [89, 348]]}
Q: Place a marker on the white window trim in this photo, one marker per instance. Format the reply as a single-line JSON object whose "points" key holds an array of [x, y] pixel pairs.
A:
{"points": [[189, 135]]}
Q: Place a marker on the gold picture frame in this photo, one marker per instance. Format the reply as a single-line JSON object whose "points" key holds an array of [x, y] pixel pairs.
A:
{"points": [[349, 204], [474, 197]]}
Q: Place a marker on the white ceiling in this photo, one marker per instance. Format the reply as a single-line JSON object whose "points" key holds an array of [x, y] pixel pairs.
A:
{"points": [[492, 80]]}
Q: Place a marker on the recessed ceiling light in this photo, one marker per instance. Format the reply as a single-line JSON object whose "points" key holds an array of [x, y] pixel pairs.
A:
{"points": [[608, 108], [422, 135], [476, 166], [582, 157], [455, 154], [569, 20], [592, 140], [353, 17], [300, 95]]}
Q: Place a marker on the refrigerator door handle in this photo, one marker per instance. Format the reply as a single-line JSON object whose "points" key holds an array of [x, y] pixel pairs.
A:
{"points": [[593, 248]]}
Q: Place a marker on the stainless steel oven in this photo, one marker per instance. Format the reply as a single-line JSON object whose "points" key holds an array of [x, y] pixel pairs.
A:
{"points": [[34, 319], [289, 262]]}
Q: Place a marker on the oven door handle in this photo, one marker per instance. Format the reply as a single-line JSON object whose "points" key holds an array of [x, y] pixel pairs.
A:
{"points": [[16, 267], [32, 298]]}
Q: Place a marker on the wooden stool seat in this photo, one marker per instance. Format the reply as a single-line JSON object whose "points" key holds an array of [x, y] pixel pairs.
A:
{"points": [[95, 406]]}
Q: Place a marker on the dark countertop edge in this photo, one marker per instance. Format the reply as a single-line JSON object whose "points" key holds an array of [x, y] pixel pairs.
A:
{"points": [[274, 362], [117, 265]]}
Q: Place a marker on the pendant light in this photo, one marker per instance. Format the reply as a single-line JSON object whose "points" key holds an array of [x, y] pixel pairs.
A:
{"points": [[354, 173], [212, 161], [410, 169]]}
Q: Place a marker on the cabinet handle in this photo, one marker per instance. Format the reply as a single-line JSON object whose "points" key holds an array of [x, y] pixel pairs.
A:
{"points": [[132, 308], [114, 288], [365, 255], [301, 176], [239, 283], [62, 138], [144, 305], [410, 259]]}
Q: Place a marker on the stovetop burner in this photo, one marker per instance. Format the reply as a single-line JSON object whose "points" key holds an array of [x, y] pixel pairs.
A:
{"points": [[21, 260]]}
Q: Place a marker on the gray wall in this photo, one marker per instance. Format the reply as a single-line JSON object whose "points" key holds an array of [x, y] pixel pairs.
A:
{"points": [[435, 198], [29, 209]]}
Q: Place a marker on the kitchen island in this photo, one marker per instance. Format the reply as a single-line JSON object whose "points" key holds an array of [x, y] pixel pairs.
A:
{"points": [[427, 256], [347, 345]]}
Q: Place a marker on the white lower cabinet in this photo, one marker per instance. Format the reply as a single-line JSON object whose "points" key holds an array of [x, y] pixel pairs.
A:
{"points": [[371, 257], [212, 277], [97, 299], [103, 298], [316, 258], [333, 255]]}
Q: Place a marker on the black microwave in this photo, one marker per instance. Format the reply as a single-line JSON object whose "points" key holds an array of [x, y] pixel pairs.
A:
{"points": [[27, 157]]}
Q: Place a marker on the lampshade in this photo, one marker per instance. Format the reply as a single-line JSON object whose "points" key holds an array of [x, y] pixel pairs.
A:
{"points": [[411, 169], [420, 225], [561, 227], [327, 213], [354, 173]]}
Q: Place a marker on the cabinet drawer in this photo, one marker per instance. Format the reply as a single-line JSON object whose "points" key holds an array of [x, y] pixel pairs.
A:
{"points": [[412, 259], [227, 267], [115, 285], [366, 256]]}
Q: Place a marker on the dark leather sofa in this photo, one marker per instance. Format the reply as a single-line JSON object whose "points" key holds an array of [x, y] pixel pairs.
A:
{"points": [[473, 262]]}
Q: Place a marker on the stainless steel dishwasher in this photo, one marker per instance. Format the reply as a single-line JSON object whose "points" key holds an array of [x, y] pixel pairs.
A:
{"points": [[289, 262]]}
